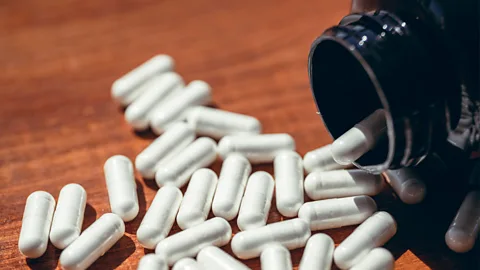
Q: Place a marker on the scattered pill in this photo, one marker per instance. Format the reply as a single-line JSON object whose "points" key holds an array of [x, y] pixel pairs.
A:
{"points": [[372, 233], [321, 159], [159, 219], [152, 262], [194, 94], [37, 218], [160, 90], [463, 231], [121, 187], [129, 87], [217, 123], [336, 213], [342, 183], [68, 217], [257, 148], [377, 259], [163, 148], [177, 171], [292, 234], [360, 139], [93, 242], [288, 183], [231, 186], [318, 253], [188, 243], [276, 257], [198, 198], [212, 257], [256, 201], [187, 264], [407, 184]]}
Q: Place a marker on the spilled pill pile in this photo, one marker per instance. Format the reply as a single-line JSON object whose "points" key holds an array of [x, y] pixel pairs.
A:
{"points": [[156, 97]]}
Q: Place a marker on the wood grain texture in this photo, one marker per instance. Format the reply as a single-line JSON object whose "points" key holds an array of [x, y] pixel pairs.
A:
{"points": [[58, 123]]}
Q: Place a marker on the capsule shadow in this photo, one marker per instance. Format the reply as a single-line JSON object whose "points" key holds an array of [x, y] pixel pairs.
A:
{"points": [[132, 226], [49, 260], [89, 217], [116, 255], [145, 134]]}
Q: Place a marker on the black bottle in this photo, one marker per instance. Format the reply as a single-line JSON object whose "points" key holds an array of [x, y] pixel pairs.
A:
{"points": [[419, 60]]}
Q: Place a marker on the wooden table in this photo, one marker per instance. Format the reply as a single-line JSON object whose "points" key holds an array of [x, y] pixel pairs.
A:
{"points": [[58, 60]]}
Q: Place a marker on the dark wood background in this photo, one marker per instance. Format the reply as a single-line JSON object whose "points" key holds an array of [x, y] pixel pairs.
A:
{"points": [[58, 123]]}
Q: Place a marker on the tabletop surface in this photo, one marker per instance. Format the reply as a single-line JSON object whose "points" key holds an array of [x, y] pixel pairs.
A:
{"points": [[58, 60]]}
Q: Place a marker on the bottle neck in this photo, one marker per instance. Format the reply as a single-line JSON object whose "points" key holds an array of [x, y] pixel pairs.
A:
{"points": [[376, 60]]}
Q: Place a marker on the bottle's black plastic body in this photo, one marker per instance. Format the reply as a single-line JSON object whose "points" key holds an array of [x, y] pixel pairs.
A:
{"points": [[419, 60]]}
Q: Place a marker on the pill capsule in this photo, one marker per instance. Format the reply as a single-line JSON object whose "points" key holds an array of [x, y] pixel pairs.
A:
{"points": [[158, 93], [121, 187], [257, 148], [336, 213], [194, 94], [152, 262], [198, 198], [176, 171], [321, 160], [292, 234], [93, 242], [463, 231], [407, 184], [187, 243], [372, 233], [175, 139], [256, 201], [288, 183], [159, 219], [276, 257], [68, 217], [318, 253], [231, 186], [360, 139], [187, 264], [129, 87], [377, 259], [342, 183], [37, 218], [217, 123], [212, 257]]}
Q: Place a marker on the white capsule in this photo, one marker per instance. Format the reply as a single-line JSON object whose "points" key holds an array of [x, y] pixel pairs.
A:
{"points": [[163, 148], [37, 218], [321, 159], [256, 201], [158, 92], [187, 264], [93, 242], [159, 219], [407, 184], [372, 233], [318, 253], [463, 231], [187, 243], [152, 262], [217, 123], [198, 198], [194, 94], [276, 257], [212, 257], [68, 217], [129, 87], [231, 186], [377, 259], [342, 183], [288, 183], [121, 187], [360, 139], [292, 234], [177, 171], [257, 148], [336, 213]]}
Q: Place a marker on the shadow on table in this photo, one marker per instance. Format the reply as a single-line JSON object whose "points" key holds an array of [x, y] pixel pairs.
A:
{"points": [[116, 255], [132, 226]]}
